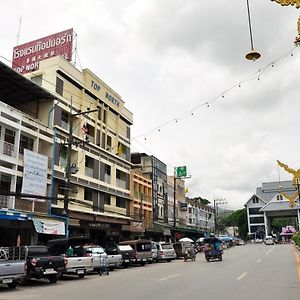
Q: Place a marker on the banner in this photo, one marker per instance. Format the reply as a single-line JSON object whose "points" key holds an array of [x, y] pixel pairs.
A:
{"points": [[49, 227], [34, 174]]}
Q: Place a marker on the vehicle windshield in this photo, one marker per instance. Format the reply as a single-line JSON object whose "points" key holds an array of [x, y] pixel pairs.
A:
{"points": [[166, 246], [143, 247]]}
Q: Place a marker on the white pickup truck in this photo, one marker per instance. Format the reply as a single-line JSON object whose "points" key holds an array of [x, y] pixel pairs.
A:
{"points": [[12, 267], [77, 263]]}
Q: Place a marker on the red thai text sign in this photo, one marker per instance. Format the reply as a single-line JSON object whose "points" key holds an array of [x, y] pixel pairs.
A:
{"points": [[26, 57]]}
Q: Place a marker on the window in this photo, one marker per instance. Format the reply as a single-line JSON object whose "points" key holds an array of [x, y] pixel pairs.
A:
{"points": [[107, 170], [89, 166], [190, 210], [107, 199], [120, 202], [25, 143], [104, 116], [257, 220], [255, 200], [279, 197], [108, 143], [190, 221], [254, 211], [59, 86], [65, 120], [88, 194]]}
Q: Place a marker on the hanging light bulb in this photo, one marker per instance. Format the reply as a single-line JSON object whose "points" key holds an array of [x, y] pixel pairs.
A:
{"points": [[253, 54]]}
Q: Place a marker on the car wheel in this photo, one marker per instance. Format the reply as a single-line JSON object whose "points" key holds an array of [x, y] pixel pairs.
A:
{"points": [[81, 275], [207, 259], [53, 278], [168, 260], [143, 263], [12, 285], [220, 258]]}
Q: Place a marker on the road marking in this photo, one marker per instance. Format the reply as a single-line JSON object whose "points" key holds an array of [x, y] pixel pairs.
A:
{"points": [[259, 260], [270, 250], [168, 277], [243, 275], [298, 263]]}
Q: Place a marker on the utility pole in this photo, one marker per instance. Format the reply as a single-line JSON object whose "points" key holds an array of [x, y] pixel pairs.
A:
{"points": [[216, 212], [69, 170]]}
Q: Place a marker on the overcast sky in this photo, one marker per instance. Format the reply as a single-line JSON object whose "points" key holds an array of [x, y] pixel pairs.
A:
{"points": [[167, 57]]}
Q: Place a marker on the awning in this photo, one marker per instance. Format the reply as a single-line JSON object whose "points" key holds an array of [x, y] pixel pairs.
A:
{"points": [[6, 214], [49, 226]]}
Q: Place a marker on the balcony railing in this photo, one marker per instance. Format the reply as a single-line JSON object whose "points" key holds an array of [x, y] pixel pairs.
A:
{"points": [[107, 178], [8, 149]]}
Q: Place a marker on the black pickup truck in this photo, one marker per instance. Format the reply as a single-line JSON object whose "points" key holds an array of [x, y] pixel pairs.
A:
{"points": [[41, 264]]}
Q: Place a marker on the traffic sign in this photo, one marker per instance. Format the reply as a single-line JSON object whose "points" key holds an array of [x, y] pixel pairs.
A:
{"points": [[181, 171]]}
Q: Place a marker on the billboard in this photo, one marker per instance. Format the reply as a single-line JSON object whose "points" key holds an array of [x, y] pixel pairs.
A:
{"points": [[34, 174], [26, 57]]}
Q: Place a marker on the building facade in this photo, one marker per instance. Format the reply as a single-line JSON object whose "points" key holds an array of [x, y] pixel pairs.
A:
{"points": [[271, 200], [24, 220], [94, 116], [141, 203]]}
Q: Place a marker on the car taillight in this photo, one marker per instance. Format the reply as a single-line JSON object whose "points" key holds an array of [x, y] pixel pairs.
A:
{"points": [[161, 253], [65, 261], [25, 267], [88, 254], [33, 262]]}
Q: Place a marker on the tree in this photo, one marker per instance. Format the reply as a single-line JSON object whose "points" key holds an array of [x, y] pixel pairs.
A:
{"points": [[238, 219]]}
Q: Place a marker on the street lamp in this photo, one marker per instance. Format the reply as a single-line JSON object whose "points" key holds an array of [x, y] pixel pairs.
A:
{"points": [[70, 168]]}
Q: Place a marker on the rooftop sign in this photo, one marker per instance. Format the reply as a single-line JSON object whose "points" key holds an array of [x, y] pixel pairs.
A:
{"points": [[26, 57]]}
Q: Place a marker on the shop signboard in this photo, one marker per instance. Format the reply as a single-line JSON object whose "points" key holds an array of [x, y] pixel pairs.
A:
{"points": [[26, 57]]}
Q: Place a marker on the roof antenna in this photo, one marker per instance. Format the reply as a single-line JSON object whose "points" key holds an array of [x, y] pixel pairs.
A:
{"points": [[19, 30]]}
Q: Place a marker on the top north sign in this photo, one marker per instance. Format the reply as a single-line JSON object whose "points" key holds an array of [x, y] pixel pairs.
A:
{"points": [[26, 57]]}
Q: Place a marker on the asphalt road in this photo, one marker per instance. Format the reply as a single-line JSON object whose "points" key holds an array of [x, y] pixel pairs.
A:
{"points": [[256, 272]]}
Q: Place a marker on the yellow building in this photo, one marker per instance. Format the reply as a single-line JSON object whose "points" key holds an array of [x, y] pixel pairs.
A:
{"points": [[141, 202], [99, 193]]}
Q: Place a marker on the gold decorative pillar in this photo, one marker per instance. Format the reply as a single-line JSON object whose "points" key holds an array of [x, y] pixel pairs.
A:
{"points": [[295, 3]]}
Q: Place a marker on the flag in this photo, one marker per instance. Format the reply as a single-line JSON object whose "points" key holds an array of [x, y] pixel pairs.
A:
{"points": [[120, 149], [85, 129]]}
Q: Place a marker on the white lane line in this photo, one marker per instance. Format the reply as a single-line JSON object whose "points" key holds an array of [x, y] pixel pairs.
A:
{"points": [[168, 277], [243, 275], [270, 250], [259, 260]]}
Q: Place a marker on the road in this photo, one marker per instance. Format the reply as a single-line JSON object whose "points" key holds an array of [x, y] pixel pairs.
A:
{"points": [[247, 272]]}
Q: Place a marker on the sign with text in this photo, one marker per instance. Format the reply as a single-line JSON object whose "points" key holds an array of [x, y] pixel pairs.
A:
{"points": [[181, 171], [26, 57], [34, 174]]}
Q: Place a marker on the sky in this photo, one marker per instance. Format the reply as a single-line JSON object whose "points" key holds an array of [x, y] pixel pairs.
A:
{"points": [[180, 67]]}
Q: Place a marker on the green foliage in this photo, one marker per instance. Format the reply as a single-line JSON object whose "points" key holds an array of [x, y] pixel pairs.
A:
{"points": [[296, 238], [203, 201], [238, 219], [278, 223]]}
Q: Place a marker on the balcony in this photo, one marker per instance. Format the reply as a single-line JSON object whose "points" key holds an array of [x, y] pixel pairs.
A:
{"points": [[107, 178], [8, 149]]}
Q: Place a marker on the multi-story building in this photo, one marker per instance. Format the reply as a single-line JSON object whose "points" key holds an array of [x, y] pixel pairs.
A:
{"points": [[25, 220], [179, 198], [94, 116], [200, 216], [271, 200], [141, 203], [156, 170]]}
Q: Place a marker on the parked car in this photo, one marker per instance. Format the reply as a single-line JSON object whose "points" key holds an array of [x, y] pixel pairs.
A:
{"points": [[269, 240], [41, 264], [181, 247], [114, 256], [100, 257], [12, 266], [165, 251], [77, 263], [154, 251], [128, 255], [142, 250]]}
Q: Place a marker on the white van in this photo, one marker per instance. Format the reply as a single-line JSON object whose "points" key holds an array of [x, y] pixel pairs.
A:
{"points": [[269, 240]]}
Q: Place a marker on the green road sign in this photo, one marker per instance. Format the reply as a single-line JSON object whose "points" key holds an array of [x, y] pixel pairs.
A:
{"points": [[181, 171]]}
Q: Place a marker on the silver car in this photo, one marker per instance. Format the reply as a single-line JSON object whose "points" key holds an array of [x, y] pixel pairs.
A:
{"points": [[165, 251], [99, 256]]}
